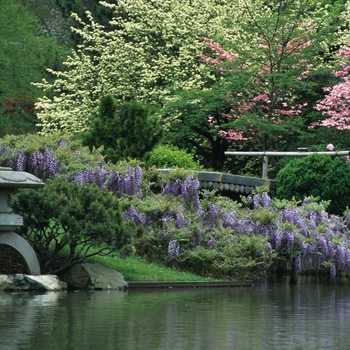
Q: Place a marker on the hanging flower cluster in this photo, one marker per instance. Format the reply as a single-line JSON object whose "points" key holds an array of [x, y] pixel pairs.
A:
{"points": [[306, 235]]}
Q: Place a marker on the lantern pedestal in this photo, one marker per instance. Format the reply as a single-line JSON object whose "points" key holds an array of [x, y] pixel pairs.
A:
{"points": [[9, 182]]}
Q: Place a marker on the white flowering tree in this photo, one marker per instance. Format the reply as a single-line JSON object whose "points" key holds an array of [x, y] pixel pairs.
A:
{"points": [[152, 51]]}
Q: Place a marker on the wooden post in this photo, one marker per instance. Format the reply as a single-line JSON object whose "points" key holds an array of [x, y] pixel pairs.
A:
{"points": [[265, 166]]}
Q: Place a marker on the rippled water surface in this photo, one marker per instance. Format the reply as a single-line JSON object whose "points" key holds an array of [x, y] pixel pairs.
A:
{"points": [[269, 316]]}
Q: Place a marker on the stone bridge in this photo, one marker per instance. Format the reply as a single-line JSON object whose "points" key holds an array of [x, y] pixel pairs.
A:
{"points": [[229, 183]]}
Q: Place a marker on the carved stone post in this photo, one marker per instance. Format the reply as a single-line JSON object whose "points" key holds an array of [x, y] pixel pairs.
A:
{"points": [[9, 181]]}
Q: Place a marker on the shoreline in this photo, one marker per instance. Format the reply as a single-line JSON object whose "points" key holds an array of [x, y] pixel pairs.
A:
{"points": [[189, 284]]}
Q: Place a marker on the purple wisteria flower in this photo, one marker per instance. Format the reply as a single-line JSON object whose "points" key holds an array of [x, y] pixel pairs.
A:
{"points": [[136, 217], [187, 188], [36, 164], [265, 200], [211, 218], [262, 199], [21, 161], [51, 163], [40, 164], [180, 221], [229, 219], [173, 188], [120, 185], [290, 214], [173, 249]]}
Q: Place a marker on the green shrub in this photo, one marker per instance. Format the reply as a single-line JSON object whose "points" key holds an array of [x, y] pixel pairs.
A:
{"points": [[79, 221], [237, 258], [169, 156], [318, 176]]}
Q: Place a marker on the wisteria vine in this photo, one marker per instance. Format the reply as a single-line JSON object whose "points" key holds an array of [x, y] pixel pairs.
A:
{"points": [[41, 164], [306, 235]]}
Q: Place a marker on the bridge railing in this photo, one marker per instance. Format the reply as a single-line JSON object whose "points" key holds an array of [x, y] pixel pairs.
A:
{"points": [[265, 155]]}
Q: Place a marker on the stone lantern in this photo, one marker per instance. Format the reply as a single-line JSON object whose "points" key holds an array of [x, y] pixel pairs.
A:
{"points": [[9, 181]]}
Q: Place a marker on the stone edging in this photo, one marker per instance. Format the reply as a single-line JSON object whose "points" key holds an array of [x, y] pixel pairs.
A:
{"points": [[169, 284]]}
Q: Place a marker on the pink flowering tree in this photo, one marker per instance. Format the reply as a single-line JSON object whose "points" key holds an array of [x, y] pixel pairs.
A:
{"points": [[336, 103], [266, 95], [263, 79]]}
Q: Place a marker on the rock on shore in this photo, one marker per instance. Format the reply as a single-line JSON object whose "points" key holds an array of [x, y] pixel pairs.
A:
{"points": [[94, 276], [22, 282], [84, 276]]}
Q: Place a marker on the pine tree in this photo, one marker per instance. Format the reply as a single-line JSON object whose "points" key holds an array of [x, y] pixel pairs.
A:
{"points": [[127, 131]]}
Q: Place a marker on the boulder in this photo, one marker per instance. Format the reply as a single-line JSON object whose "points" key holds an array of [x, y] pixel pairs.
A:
{"points": [[94, 276], [21, 282]]}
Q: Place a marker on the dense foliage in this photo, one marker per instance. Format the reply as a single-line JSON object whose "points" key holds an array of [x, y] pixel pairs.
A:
{"points": [[267, 80], [126, 131], [149, 51], [217, 236], [66, 217], [264, 63], [180, 225], [318, 176], [25, 53]]}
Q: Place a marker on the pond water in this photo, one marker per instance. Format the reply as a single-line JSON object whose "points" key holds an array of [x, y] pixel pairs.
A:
{"points": [[270, 316]]}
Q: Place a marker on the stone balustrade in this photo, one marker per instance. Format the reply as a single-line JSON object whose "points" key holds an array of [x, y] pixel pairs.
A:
{"points": [[229, 182]]}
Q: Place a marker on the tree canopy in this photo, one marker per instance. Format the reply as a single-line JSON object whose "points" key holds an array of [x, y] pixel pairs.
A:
{"points": [[151, 52], [219, 72], [25, 52], [27, 48], [265, 79]]}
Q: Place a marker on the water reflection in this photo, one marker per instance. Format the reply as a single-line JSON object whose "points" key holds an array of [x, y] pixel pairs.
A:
{"points": [[269, 316]]}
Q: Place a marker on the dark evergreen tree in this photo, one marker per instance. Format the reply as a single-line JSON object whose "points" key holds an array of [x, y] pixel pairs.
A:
{"points": [[130, 131], [102, 130], [81, 219]]}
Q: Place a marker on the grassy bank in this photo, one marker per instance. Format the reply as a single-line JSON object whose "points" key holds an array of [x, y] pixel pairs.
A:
{"points": [[135, 269]]}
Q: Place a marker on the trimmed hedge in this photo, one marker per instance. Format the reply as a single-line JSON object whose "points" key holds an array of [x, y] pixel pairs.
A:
{"points": [[317, 175]]}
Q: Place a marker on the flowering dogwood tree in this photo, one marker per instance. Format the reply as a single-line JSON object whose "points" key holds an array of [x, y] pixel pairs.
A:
{"points": [[268, 81], [336, 104], [262, 80]]}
